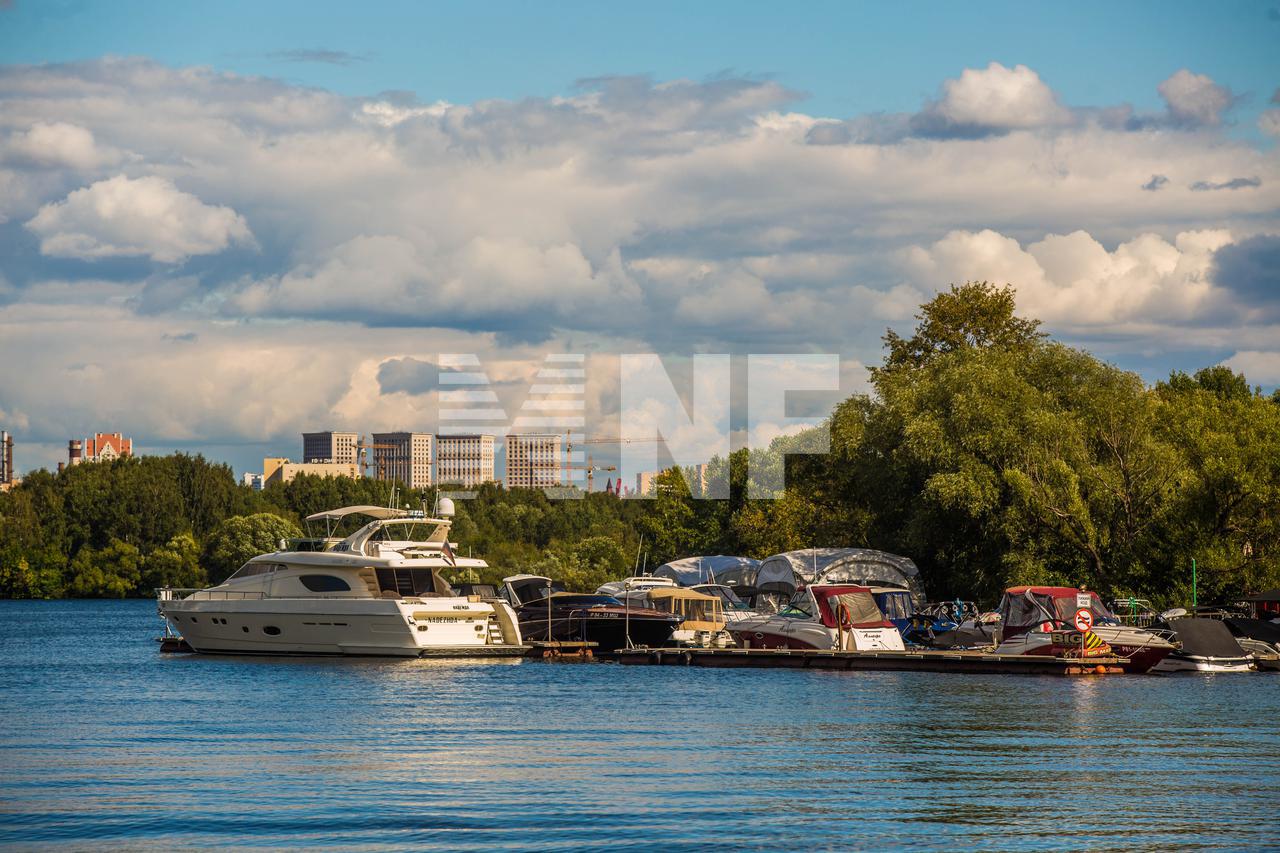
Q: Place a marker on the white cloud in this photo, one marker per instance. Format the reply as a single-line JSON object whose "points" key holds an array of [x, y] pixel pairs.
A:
{"points": [[1072, 282], [1260, 367], [58, 144], [999, 97], [1195, 99], [144, 216]]}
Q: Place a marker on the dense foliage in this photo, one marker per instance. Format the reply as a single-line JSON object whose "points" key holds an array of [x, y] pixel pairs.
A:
{"points": [[988, 453]]}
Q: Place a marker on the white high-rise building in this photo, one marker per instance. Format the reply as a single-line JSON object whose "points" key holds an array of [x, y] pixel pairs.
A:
{"points": [[534, 461], [464, 460], [403, 456], [336, 447]]}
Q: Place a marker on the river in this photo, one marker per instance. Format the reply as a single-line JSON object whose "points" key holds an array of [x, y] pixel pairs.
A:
{"points": [[105, 742]]}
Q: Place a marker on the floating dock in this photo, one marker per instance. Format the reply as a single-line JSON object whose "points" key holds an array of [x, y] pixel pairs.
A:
{"points": [[906, 661], [560, 649]]}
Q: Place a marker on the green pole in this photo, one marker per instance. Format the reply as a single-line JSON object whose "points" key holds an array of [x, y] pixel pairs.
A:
{"points": [[1193, 582]]}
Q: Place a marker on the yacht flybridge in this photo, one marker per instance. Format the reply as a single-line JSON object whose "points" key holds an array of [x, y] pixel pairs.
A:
{"points": [[378, 591]]}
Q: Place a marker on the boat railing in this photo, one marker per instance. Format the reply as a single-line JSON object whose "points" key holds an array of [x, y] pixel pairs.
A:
{"points": [[170, 593]]}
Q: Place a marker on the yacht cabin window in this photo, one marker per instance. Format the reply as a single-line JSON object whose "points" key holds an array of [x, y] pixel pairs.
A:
{"points": [[324, 583]]}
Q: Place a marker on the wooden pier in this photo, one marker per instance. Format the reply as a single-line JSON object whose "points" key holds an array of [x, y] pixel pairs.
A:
{"points": [[562, 649], [906, 661]]}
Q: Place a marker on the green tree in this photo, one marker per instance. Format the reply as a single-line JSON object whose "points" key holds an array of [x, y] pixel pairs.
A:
{"points": [[240, 537], [174, 564], [975, 315], [112, 572]]}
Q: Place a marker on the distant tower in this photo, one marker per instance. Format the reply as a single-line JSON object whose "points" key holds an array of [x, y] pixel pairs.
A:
{"points": [[75, 451], [6, 459]]}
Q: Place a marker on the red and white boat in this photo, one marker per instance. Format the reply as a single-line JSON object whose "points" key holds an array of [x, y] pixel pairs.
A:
{"points": [[822, 616], [1040, 620]]}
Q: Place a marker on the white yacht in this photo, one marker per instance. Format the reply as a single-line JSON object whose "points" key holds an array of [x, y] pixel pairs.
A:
{"points": [[378, 591]]}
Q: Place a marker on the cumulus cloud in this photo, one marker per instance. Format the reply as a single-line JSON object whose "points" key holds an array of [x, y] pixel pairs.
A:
{"points": [[58, 144], [141, 216], [993, 99], [1194, 99], [1072, 281]]}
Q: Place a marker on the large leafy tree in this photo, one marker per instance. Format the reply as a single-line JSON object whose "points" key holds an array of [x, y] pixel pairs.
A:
{"points": [[240, 537]]}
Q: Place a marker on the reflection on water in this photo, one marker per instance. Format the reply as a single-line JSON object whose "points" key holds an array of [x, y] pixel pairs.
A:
{"points": [[106, 741]]}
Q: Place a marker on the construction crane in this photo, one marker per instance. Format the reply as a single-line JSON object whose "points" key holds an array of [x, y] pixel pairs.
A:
{"points": [[380, 463], [590, 467]]}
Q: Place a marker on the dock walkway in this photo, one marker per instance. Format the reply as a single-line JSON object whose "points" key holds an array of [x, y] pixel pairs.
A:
{"points": [[906, 661]]}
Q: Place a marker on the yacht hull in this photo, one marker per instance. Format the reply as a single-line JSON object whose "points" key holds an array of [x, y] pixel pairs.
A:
{"points": [[405, 628]]}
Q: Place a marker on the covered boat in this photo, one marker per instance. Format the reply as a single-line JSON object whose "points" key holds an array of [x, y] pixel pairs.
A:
{"points": [[1204, 645], [822, 616], [547, 612], [784, 573], [702, 621], [734, 608], [731, 571], [1040, 620]]}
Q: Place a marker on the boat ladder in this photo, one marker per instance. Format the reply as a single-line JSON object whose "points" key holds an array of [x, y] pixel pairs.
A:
{"points": [[495, 633]]}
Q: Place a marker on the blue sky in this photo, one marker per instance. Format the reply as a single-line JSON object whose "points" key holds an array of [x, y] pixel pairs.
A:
{"points": [[849, 57], [225, 224]]}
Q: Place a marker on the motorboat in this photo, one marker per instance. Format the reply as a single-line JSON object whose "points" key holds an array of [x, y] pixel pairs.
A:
{"points": [[1204, 645], [702, 621], [378, 591], [734, 608], [546, 611], [1040, 620], [635, 587], [822, 616]]}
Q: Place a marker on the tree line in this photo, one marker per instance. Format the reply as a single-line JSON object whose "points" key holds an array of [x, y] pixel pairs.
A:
{"points": [[986, 452]]}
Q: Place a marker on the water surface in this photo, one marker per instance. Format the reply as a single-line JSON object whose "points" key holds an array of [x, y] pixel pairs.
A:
{"points": [[105, 742]]}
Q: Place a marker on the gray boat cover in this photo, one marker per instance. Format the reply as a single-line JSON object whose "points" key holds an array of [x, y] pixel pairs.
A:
{"points": [[1255, 629], [862, 566], [1206, 638], [1269, 595], [720, 568]]}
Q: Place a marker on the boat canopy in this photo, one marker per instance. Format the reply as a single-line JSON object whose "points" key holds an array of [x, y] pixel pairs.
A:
{"points": [[719, 568], [855, 604], [789, 571], [378, 512], [1206, 637], [670, 592], [1269, 595], [700, 612], [1025, 606]]}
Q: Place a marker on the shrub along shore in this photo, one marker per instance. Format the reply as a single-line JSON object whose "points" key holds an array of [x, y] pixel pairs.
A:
{"points": [[985, 451]]}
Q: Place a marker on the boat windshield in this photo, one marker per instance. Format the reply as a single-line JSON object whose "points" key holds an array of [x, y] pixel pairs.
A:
{"points": [[728, 597], [800, 606], [895, 605], [1065, 609]]}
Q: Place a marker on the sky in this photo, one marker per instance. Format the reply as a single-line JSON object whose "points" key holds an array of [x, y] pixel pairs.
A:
{"points": [[223, 225]]}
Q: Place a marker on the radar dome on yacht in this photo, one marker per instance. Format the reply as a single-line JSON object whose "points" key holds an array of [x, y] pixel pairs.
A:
{"points": [[445, 508]]}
